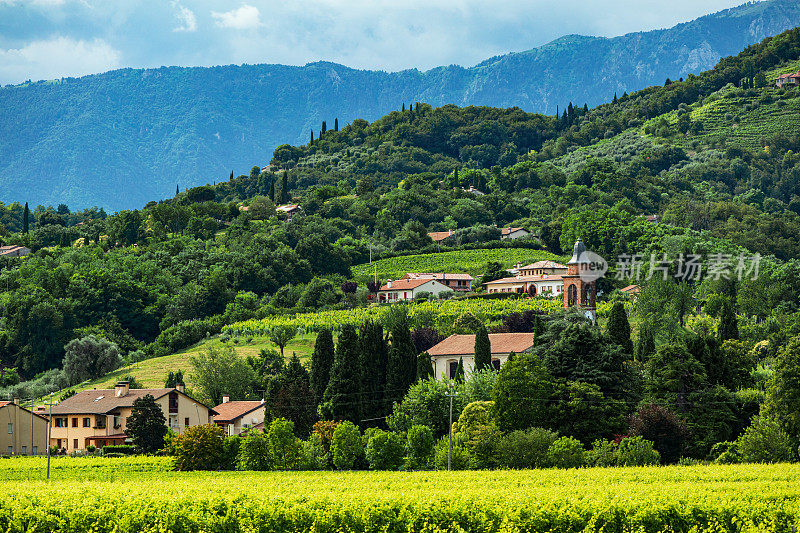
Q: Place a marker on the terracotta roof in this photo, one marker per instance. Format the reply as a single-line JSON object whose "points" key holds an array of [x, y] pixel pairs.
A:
{"points": [[437, 236], [102, 401], [783, 76], [230, 411], [526, 279], [3, 404], [501, 343], [631, 288], [405, 284], [507, 231], [288, 207], [438, 276], [543, 264]]}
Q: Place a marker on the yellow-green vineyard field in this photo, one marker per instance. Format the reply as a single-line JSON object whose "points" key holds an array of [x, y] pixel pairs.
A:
{"points": [[439, 313], [115, 497], [469, 261]]}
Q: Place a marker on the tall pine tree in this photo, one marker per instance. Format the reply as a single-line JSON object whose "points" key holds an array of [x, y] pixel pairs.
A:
{"points": [[401, 371], [424, 366], [272, 190], [291, 395], [26, 219], [618, 328], [321, 363], [373, 360], [341, 395], [483, 350]]}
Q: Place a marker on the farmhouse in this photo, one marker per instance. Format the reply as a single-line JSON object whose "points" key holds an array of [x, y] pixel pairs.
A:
{"points": [[290, 209], [541, 285], [21, 431], [14, 251], [233, 417], [446, 354], [541, 268], [513, 233], [788, 79], [439, 236], [99, 416], [455, 282], [408, 289]]}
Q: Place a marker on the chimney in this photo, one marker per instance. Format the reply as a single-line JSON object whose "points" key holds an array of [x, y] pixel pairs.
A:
{"points": [[225, 398], [450, 232], [389, 284], [16, 401], [121, 389], [181, 387]]}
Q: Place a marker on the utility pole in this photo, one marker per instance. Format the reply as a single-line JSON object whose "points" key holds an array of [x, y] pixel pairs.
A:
{"points": [[50, 425], [452, 394], [32, 415]]}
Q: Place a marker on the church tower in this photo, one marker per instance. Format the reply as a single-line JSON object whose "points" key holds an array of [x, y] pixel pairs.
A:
{"points": [[579, 292]]}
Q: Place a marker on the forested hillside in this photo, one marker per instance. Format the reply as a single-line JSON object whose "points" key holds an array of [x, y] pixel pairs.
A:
{"points": [[119, 139]]}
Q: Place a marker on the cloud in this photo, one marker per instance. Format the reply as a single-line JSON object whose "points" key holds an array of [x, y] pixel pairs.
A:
{"points": [[244, 18], [188, 22], [52, 58]]}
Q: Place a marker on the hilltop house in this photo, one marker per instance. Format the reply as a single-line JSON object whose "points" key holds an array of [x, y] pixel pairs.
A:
{"points": [[98, 416], [440, 236], [290, 210], [446, 354], [455, 282], [234, 417], [788, 79], [14, 251], [408, 289], [21, 431], [513, 233]]}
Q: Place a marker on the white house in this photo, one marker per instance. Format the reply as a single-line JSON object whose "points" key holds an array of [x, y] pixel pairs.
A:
{"points": [[446, 354], [234, 417], [458, 282], [542, 285], [290, 209], [513, 233], [407, 289]]}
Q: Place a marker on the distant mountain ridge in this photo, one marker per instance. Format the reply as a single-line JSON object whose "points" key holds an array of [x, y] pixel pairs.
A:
{"points": [[124, 137]]}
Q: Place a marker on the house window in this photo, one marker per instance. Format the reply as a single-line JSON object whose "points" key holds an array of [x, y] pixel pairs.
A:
{"points": [[10, 429], [452, 367], [35, 450], [572, 295], [74, 422], [24, 450], [186, 421], [100, 422], [87, 422], [74, 444], [58, 443]]}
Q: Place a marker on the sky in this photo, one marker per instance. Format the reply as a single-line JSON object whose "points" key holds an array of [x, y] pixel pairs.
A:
{"points": [[45, 39]]}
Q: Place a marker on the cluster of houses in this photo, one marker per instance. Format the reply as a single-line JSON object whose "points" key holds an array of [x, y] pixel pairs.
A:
{"points": [[439, 237], [14, 251]]}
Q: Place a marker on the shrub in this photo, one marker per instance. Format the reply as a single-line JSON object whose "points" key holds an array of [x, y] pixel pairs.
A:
{"points": [[460, 455], [283, 444], [765, 442], [636, 451], [312, 454], [419, 446], [566, 452], [91, 448], [122, 449], [254, 452], [385, 451], [230, 451], [726, 453], [603, 453], [346, 446], [526, 449], [663, 428], [199, 448]]}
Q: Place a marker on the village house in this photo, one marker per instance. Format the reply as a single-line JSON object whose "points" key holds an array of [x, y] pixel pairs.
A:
{"points": [[455, 282], [541, 268], [290, 210], [631, 291], [788, 79], [407, 289], [234, 417], [14, 251], [543, 285], [513, 233], [446, 354], [99, 416], [440, 236], [21, 431]]}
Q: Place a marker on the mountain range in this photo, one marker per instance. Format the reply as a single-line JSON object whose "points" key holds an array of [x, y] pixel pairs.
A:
{"points": [[123, 137]]}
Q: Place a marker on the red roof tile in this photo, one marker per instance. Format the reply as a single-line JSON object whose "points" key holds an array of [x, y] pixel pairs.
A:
{"points": [[230, 411], [507, 231], [405, 284], [500, 342], [544, 264], [438, 236]]}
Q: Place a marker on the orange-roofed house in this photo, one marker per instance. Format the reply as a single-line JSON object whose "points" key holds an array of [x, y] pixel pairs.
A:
{"points": [[457, 282], [446, 354], [440, 236], [403, 290], [99, 416], [290, 210], [237, 416], [513, 233], [788, 79]]}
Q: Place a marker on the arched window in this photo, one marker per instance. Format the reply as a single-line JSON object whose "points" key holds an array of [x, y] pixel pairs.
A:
{"points": [[572, 295], [532, 289], [452, 366]]}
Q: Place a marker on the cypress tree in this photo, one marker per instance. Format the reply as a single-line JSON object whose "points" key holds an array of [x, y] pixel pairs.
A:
{"points": [[284, 187], [336, 124], [614, 101], [538, 326], [618, 328], [373, 360], [424, 366], [585, 108], [177, 190], [231, 176], [341, 395], [455, 177], [402, 368], [646, 346], [728, 328], [459, 377], [511, 356], [404, 107], [311, 142], [321, 363], [290, 397], [323, 129], [556, 111], [26, 216], [483, 350], [272, 191]]}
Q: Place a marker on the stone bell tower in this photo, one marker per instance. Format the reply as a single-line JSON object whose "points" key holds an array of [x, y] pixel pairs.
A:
{"points": [[579, 292]]}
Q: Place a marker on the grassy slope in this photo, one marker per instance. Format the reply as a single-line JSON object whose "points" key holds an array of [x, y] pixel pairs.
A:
{"points": [[470, 261]]}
